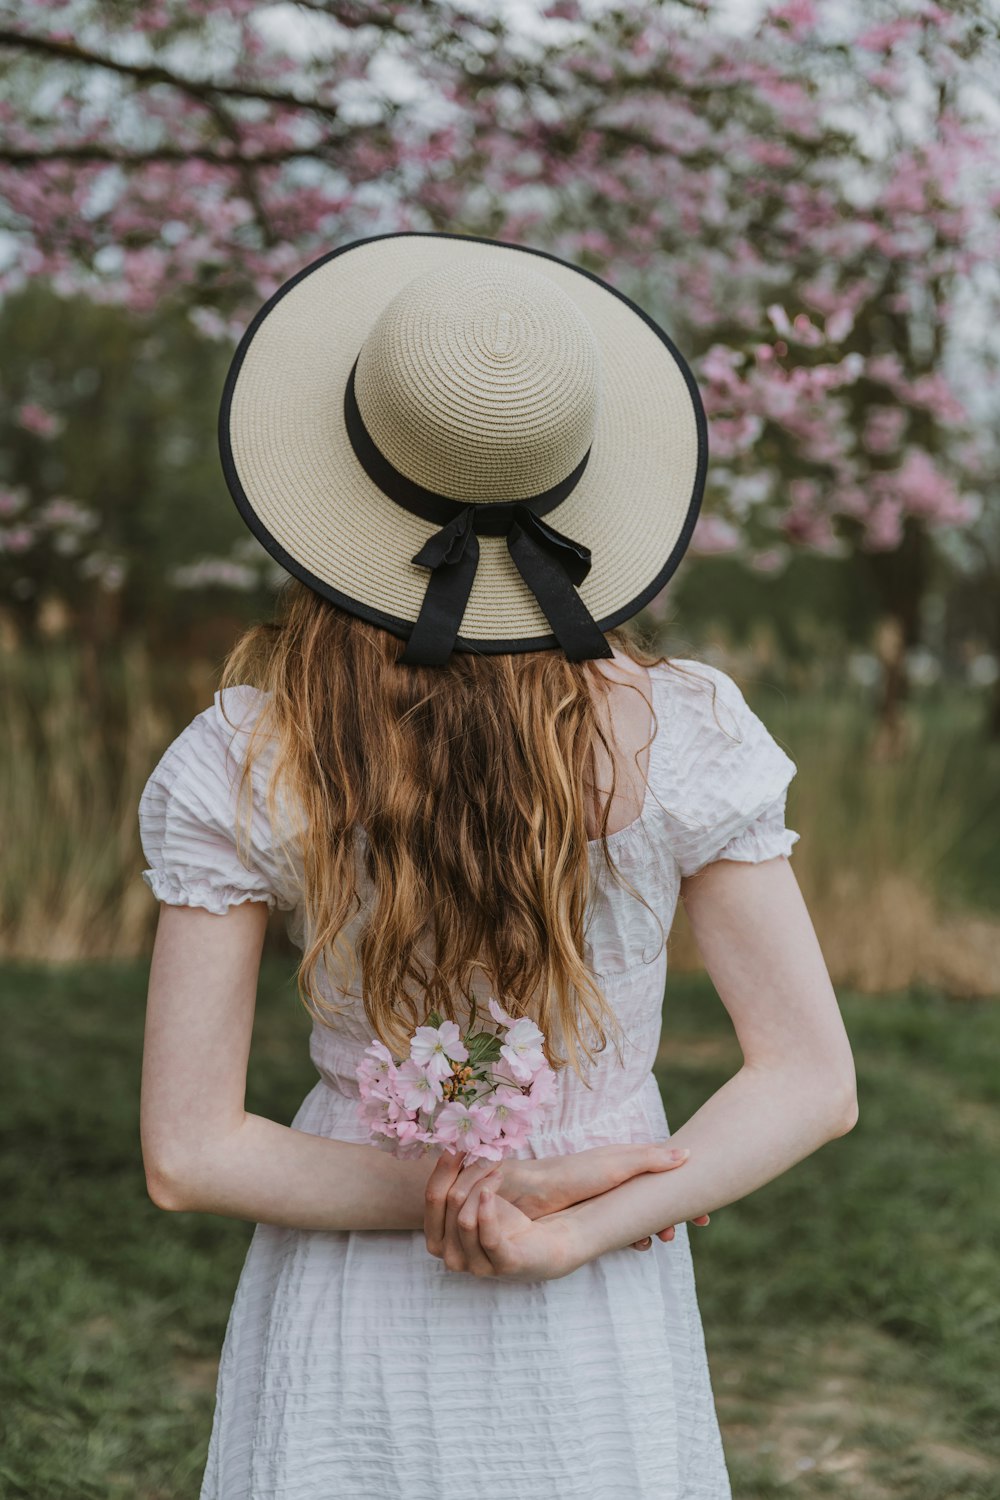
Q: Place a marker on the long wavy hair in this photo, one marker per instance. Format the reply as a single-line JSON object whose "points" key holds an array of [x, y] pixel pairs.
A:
{"points": [[472, 783]]}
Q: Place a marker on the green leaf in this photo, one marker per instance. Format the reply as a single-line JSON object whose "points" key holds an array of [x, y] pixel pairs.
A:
{"points": [[484, 1047]]}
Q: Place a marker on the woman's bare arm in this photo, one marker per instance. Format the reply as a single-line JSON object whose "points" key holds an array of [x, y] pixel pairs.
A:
{"points": [[202, 1151], [796, 1089]]}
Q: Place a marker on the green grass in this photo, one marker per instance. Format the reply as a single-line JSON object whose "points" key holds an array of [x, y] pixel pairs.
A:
{"points": [[851, 1307], [115, 1310]]}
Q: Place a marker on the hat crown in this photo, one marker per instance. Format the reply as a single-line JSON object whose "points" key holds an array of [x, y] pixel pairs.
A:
{"points": [[481, 383]]}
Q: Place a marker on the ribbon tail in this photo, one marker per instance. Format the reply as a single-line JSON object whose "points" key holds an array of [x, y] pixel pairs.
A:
{"points": [[549, 562], [452, 554], [574, 556]]}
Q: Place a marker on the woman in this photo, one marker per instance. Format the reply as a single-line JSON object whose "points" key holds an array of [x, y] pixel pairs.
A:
{"points": [[458, 772]]}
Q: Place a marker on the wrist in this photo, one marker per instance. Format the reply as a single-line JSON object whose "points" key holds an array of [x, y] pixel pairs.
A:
{"points": [[410, 1186], [578, 1243], [525, 1182], [586, 1227]]}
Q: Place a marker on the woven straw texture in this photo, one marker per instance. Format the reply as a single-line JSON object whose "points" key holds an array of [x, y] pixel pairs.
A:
{"points": [[484, 373]]}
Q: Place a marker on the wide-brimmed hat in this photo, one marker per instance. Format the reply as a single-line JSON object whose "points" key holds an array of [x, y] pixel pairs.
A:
{"points": [[474, 444]]}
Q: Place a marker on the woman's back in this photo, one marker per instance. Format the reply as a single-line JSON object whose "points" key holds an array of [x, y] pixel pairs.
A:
{"points": [[697, 773], [626, 1325], [711, 782]]}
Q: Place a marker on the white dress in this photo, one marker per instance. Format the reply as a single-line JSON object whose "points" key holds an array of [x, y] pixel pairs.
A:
{"points": [[355, 1365]]}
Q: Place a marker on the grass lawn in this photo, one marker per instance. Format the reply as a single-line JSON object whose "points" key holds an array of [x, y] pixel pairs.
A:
{"points": [[851, 1308]]}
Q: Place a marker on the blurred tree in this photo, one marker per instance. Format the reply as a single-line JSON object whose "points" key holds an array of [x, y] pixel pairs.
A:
{"points": [[150, 543], [973, 615], [802, 204], [103, 513]]}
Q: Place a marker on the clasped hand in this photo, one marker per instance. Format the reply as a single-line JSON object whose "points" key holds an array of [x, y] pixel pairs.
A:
{"points": [[508, 1219]]}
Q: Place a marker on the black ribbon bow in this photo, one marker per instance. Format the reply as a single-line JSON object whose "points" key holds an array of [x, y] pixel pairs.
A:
{"points": [[551, 564]]}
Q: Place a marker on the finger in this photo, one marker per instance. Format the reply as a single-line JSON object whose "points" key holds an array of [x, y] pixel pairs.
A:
{"points": [[643, 1244], [668, 1234], [446, 1169], [491, 1237], [453, 1252], [633, 1160], [664, 1157], [476, 1260]]}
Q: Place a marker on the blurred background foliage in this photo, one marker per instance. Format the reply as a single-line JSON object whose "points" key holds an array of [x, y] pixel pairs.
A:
{"points": [[805, 197]]}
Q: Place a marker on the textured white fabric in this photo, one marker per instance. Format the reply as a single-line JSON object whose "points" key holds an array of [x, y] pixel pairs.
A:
{"points": [[355, 1366], [189, 812]]}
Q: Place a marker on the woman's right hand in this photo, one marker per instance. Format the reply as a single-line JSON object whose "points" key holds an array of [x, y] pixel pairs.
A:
{"points": [[544, 1185], [540, 1186]]}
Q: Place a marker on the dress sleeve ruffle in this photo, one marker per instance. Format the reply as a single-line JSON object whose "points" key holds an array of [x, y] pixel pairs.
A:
{"points": [[765, 838], [189, 812], [727, 777]]}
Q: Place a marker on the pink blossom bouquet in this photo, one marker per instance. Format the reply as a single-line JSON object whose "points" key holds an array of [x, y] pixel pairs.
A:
{"points": [[481, 1093]]}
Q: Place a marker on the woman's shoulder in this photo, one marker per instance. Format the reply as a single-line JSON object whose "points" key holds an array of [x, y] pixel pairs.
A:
{"points": [[190, 811], [719, 769], [690, 684], [704, 704], [200, 768], [217, 734], [233, 713]]}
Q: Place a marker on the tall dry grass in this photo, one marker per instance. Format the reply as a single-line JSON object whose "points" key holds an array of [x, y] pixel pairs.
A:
{"points": [[882, 844], [884, 849], [78, 737]]}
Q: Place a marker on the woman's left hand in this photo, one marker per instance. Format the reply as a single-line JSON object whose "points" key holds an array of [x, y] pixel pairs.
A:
{"points": [[474, 1229], [666, 1235]]}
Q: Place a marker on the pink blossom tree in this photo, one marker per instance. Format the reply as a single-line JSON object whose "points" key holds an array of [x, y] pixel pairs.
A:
{"points": [[803, 205]]}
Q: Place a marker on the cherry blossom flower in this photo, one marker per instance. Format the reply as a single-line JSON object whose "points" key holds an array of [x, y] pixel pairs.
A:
{"points": [[34, 418], [523, 1049], [543, 1087], [486, 1104], [419, 1087], [510, 1110], [498, 1013], [457, 1125], [437, 1047], [375, 1067]]}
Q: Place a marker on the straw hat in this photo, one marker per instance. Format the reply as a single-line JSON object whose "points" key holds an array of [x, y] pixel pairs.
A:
{"points": [[476, 445]]}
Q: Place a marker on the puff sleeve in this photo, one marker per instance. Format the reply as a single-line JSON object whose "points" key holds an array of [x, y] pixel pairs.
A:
{"points": [[728, 777], [188, 815]]}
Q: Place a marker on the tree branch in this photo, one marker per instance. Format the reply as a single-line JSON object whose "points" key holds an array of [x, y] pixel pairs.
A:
{"points": [[149, 73], [230, 130], [30, 157]]}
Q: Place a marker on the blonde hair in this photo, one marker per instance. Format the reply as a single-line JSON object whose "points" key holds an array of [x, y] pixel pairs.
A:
{"points": [[472, 783]]}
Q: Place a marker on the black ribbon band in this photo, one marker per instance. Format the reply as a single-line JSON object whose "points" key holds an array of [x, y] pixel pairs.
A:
{"points": [[551, 564]]}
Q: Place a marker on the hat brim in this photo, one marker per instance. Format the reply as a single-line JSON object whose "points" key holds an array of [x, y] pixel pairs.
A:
{"points": [[301, 490]]}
